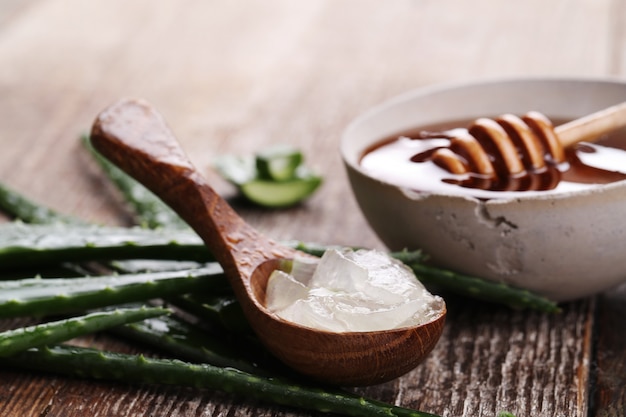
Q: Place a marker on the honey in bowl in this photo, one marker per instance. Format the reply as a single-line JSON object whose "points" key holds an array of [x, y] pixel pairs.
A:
{"points": [[406, 160]]}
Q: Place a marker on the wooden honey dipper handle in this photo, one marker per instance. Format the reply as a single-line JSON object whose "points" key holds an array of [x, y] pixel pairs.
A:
{"points": [[591, 127]]}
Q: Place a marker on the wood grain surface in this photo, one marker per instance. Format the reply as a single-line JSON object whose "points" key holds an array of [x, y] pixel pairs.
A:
{"points": [[235, 76]]}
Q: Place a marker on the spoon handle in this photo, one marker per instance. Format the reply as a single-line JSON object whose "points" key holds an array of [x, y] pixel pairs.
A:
{"points": [[592, 126], [136, 138]]}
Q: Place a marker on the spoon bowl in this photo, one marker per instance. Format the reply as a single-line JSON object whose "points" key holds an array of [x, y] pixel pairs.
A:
{"points": [[136, 138]]}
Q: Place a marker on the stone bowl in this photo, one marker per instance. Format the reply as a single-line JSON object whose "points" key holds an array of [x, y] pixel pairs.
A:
{"points": [[564, 245]]}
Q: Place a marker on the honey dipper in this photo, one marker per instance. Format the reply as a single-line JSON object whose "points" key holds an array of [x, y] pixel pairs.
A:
{"points": [[509, 145]]}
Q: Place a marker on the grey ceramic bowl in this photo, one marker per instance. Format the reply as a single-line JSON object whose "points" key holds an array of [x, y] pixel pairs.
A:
{"points": [[564, 246]]}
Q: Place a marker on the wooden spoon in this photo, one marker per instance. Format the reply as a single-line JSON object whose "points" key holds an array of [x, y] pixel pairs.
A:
{"points": [[136, 138]]}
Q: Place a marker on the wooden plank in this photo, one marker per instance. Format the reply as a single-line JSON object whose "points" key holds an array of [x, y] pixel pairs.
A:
{"points": [[610, 359], [492, 359]]}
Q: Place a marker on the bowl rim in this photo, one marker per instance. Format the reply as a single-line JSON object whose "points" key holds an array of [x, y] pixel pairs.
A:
{"points": [[351, 160]]}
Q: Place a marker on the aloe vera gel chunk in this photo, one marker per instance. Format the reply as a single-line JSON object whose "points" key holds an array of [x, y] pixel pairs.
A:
{"points": [[351, 291]]}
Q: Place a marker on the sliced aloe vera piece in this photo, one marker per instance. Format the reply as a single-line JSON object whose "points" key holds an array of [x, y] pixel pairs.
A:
{"points": [[280, 193], [236, 169], [274, 177], [278, 163]]}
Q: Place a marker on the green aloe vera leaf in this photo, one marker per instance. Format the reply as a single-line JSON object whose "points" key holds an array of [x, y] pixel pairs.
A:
{"points": [[96, 364], [17, 340], [37, 296], [220, 309], [19, 206], [190, 342], [28, 245], [278, 194], [152, 212], [135, 266], [476, 288]]}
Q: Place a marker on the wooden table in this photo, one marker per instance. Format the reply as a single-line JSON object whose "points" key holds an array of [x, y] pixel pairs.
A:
{"points": [[236, 76]]}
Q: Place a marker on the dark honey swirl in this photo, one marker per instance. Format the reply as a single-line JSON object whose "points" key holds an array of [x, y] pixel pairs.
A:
{"points": [[583, 166]]}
